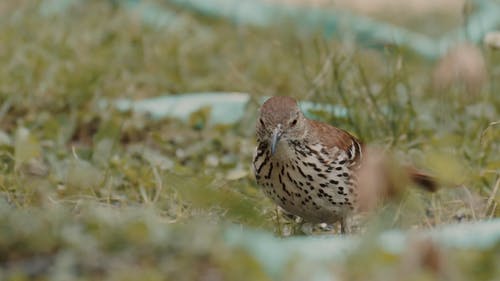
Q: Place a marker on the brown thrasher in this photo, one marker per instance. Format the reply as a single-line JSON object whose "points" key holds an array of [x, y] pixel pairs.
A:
{"points": [[309, 168]]}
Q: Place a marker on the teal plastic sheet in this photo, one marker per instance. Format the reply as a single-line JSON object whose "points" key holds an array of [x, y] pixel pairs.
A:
{"points": [[366, 31], [225, 107], [486, 17]]}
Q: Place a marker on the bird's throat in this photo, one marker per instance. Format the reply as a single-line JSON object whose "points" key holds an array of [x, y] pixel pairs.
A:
{"points": [[282, 151]]}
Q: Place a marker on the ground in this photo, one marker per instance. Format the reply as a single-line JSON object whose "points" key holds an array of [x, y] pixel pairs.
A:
{"points": [[91, 193]]}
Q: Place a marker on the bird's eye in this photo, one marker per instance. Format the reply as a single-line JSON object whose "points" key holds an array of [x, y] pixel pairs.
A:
{"points": [[294, 122]]}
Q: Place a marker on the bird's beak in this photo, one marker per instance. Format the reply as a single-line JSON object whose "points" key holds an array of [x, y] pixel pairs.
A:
{"points": [[276, 138]]}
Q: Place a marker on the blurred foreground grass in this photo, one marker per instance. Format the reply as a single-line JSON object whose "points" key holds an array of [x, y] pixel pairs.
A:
{"points": [[91, 193]]}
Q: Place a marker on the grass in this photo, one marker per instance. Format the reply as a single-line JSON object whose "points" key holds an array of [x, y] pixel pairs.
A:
{"points": [[90, 193]]}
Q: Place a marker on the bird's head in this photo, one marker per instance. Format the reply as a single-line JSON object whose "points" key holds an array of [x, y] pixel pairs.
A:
{"points": [[280, 119]]}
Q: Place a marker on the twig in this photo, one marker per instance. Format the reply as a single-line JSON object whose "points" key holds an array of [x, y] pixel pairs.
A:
{"points": [[144, 195], [320, 77], [159, 183], [487, 128], [491, 200], [73, 151], [5, 107], [471, 205]]}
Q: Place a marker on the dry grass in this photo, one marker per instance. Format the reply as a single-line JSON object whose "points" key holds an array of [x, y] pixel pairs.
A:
{"points": [[99, 194]]}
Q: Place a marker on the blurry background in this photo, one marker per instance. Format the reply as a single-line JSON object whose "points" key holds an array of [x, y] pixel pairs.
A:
{"points": [[430, 17], [91, 192]]}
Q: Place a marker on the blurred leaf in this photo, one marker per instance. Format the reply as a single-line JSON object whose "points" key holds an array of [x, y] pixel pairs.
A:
{"points": [[204, 193], [5, 139], [26, 146], [154, 157], [109, 129], [447, 168], [103, 151], [199, 119], [81, 175]]}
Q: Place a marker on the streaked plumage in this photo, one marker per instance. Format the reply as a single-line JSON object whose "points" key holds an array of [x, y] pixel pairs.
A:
{"points": [[305, 166]]}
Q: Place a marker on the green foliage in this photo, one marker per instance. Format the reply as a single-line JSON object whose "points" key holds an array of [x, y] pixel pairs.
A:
{"points": [[91, 193]]}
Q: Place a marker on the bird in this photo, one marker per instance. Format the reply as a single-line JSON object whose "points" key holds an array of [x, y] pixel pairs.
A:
{"points": [[309, 168]]}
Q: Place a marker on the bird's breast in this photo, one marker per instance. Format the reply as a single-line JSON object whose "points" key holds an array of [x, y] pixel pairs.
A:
{"points": [[306, 180]]}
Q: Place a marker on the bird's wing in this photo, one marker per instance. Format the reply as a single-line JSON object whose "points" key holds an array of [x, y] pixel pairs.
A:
{"points": [[334, 138]]}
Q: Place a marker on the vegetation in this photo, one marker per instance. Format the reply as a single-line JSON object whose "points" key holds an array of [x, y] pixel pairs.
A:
{"points": [[91, 193]]}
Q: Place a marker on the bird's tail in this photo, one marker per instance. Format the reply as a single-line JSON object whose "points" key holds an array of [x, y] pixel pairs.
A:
{"points": [[380, 178], [423, 180]]}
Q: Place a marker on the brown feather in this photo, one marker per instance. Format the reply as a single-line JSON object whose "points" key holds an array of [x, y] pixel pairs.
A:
{"points": [[423, 180], [332, 137]]}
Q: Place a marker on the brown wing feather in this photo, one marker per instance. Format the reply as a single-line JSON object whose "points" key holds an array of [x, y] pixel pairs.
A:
{"points": [[332, 137], [422, 179]]}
